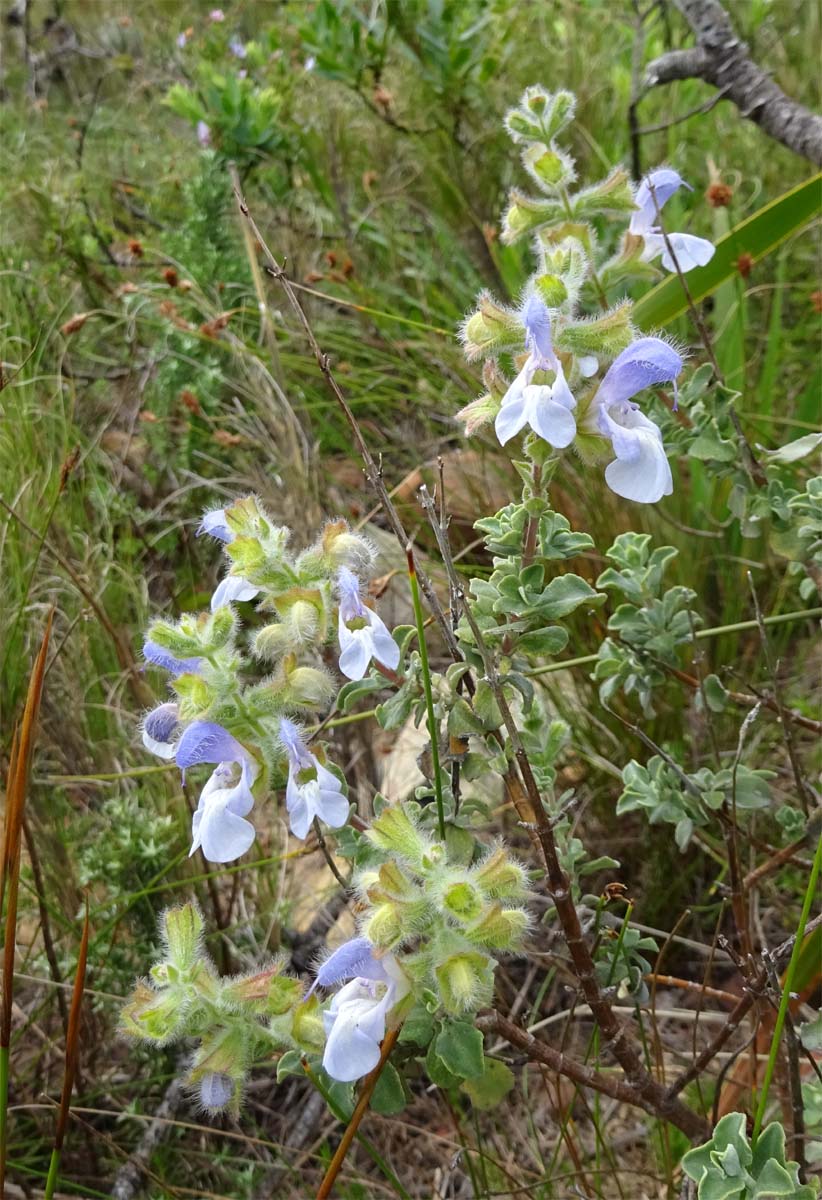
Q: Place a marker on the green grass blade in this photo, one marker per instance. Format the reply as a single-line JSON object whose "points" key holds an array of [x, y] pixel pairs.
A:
{"points": [[756, 236]]}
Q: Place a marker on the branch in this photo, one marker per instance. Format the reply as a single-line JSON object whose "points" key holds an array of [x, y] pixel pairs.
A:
{"points": [[721, 59], [534, 817]]}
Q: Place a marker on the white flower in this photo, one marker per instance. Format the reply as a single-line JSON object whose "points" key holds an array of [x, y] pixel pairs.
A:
{"points": [[652, 193], [547, 408], [312, 790], [363, 635], [219, 824], [356, 1018]]}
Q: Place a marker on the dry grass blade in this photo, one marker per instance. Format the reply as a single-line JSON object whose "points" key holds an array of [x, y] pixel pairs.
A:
{"points": [[15, 801], [72, 1055]]}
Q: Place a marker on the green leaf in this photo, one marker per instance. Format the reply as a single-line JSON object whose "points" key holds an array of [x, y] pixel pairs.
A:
{"points": [[800, 448], [565, 593], [437, 1071], [389, 1095], [491, 1086], [756, 236], [291, 1063], [716, 696], [459, 1046]]}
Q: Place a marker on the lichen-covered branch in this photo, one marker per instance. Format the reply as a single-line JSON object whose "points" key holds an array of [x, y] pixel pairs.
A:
{"points": [[721, 59]]}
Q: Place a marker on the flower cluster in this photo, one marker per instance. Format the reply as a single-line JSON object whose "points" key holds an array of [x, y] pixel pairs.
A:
{"points": [[577, 375], [247, 730], [431, 923], [236, 1020]]}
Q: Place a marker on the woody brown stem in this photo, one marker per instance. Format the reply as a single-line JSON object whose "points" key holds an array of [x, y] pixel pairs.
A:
{"points": [[534, 817]]}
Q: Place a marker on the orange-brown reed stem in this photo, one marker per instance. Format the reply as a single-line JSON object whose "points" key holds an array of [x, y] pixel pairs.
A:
{"points": [[15, 801], [72, 1056], [356, 1117]]}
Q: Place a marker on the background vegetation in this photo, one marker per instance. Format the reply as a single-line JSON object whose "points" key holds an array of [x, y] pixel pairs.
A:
{"points": [[149, 369]]}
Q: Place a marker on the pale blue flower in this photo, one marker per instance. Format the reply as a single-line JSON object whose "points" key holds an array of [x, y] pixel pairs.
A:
{"points": [[363, 635], [160, 657], [547, 408], [216, 1090], [203, 134], [237, 47], [312, 790], [654, 191], [161, 729], [640, 471], [215, 524], [218, 825], [355, 1020], [182, 38]]}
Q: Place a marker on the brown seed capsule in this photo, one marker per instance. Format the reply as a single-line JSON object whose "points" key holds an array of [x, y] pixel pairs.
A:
{"points": [[816, 301], [171, 277], [744, 265], [135, 248], [719, 195]]}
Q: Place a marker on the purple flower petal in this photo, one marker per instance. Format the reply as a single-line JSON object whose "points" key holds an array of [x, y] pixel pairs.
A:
{"points": [[215, 524], [159, 657], [354, 958], [644, 363], [537, 323], [207, 742]]}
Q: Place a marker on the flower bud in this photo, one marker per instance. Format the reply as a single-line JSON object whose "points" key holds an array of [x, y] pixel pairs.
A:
{"points": [[462, 901], [182, 934], [151, 1014], [384, 928], [499, 928], [478, 413], [246, 519], [216, 1090], [225, 1054], [501, 876], [307, 1025], [390, 883], [548, 166], [303, 618], [611, 195], [195, 695], [219, 629], [604, 337], [552, 289], [490, 328], [525, 214], [342, 548], [465, 981], [267, 992], [307, 687], [395, 832], [181, 642], [272, 641], [247, 555], [522, 128]]}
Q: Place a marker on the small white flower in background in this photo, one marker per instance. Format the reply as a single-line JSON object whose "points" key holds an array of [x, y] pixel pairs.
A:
{"points": [[233, 587], [547, 408], [641, 470], [160, 730], [219, 824], [182, 38], [312, 790], [355, 1020], [237, 47], [652, 193], [203, 134], [216, 15], [363, 635]]}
